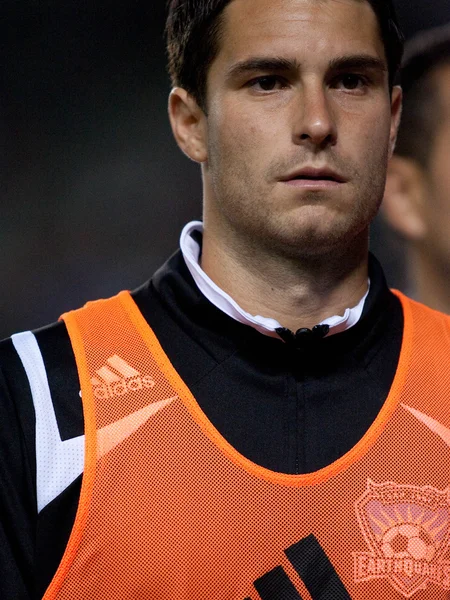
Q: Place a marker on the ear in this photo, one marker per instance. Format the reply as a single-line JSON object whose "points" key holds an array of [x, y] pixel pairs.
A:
{"points": [[396, 114], [188, 123], [405, 195]]}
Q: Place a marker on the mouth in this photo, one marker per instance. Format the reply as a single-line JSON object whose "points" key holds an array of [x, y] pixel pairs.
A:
{"points": [[314, 178]]}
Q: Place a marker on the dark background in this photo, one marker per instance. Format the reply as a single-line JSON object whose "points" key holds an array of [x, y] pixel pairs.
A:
{"points": [[94, 192]]}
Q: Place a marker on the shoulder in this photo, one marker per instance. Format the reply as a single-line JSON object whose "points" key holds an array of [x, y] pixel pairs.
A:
{"points": [[33, 361], [42, 362], [426, 334], [48, 338], [422, 313]]}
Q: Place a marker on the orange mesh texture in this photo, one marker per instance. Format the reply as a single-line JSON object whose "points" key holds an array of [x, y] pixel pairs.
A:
{"points": [[169, 510]]}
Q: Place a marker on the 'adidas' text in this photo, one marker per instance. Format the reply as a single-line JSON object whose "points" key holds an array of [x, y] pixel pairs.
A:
{"points": [[122, 387], [118, 378]]}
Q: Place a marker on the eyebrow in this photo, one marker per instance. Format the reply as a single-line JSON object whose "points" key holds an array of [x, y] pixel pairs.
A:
{"points": [[255, 64], [357, 61], [340, 63]]}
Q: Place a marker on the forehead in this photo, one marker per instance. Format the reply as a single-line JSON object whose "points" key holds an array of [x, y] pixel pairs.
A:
{"points": [[308, 28]]}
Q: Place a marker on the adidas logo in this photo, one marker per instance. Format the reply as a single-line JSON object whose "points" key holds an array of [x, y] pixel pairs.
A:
{"points": [[118, 378], [312, 566]]}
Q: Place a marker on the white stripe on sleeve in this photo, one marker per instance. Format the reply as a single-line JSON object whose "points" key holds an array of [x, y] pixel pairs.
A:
{"points": [[58, 463]]}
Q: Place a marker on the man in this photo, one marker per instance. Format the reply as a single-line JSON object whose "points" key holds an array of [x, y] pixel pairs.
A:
{"points": [[264, 419], [417, 202]]}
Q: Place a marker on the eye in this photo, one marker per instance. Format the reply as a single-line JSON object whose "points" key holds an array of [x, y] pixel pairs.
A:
{"points": [[351, 82], [267, 83]]}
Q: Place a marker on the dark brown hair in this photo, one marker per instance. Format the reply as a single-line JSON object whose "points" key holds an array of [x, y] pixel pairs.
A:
{"points": [[193, 32]]}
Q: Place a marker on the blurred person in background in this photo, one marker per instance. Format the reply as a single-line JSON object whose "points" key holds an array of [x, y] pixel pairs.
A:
{"points": [[264, 418], [417, 198]]}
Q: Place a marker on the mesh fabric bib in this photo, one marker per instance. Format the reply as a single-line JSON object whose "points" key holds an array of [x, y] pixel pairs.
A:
{"points": [[170, 511]]}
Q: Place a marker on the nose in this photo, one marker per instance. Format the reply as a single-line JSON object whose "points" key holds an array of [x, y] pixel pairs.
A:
{"points": [[315, 123]]}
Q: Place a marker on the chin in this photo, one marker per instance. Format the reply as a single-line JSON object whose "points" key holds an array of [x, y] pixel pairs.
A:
{"points": [[321, 240]]}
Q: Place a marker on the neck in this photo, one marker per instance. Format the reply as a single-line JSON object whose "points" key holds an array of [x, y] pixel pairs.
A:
{"points": [[432, 281], [296, 291]]}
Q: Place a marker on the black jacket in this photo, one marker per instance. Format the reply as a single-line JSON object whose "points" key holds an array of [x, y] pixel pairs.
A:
{"points": [[292, 408]]}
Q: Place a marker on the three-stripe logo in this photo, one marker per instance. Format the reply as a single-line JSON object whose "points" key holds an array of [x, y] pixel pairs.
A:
{"points": [[314, 568], [118, 378]]}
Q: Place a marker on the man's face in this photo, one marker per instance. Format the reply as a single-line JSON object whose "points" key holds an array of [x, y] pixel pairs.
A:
{"points": [[299, 124], [437, 203]]}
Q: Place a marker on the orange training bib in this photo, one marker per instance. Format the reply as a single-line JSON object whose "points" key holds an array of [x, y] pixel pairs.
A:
{"points": [[170, 511]]}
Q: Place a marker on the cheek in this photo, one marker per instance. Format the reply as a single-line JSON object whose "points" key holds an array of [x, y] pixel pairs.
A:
{"points": [[377, 131], [240, 143], [375, 144], [363, 129]]}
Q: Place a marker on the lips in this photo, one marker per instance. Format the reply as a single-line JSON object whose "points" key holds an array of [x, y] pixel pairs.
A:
{"points": [[314, 174]]}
